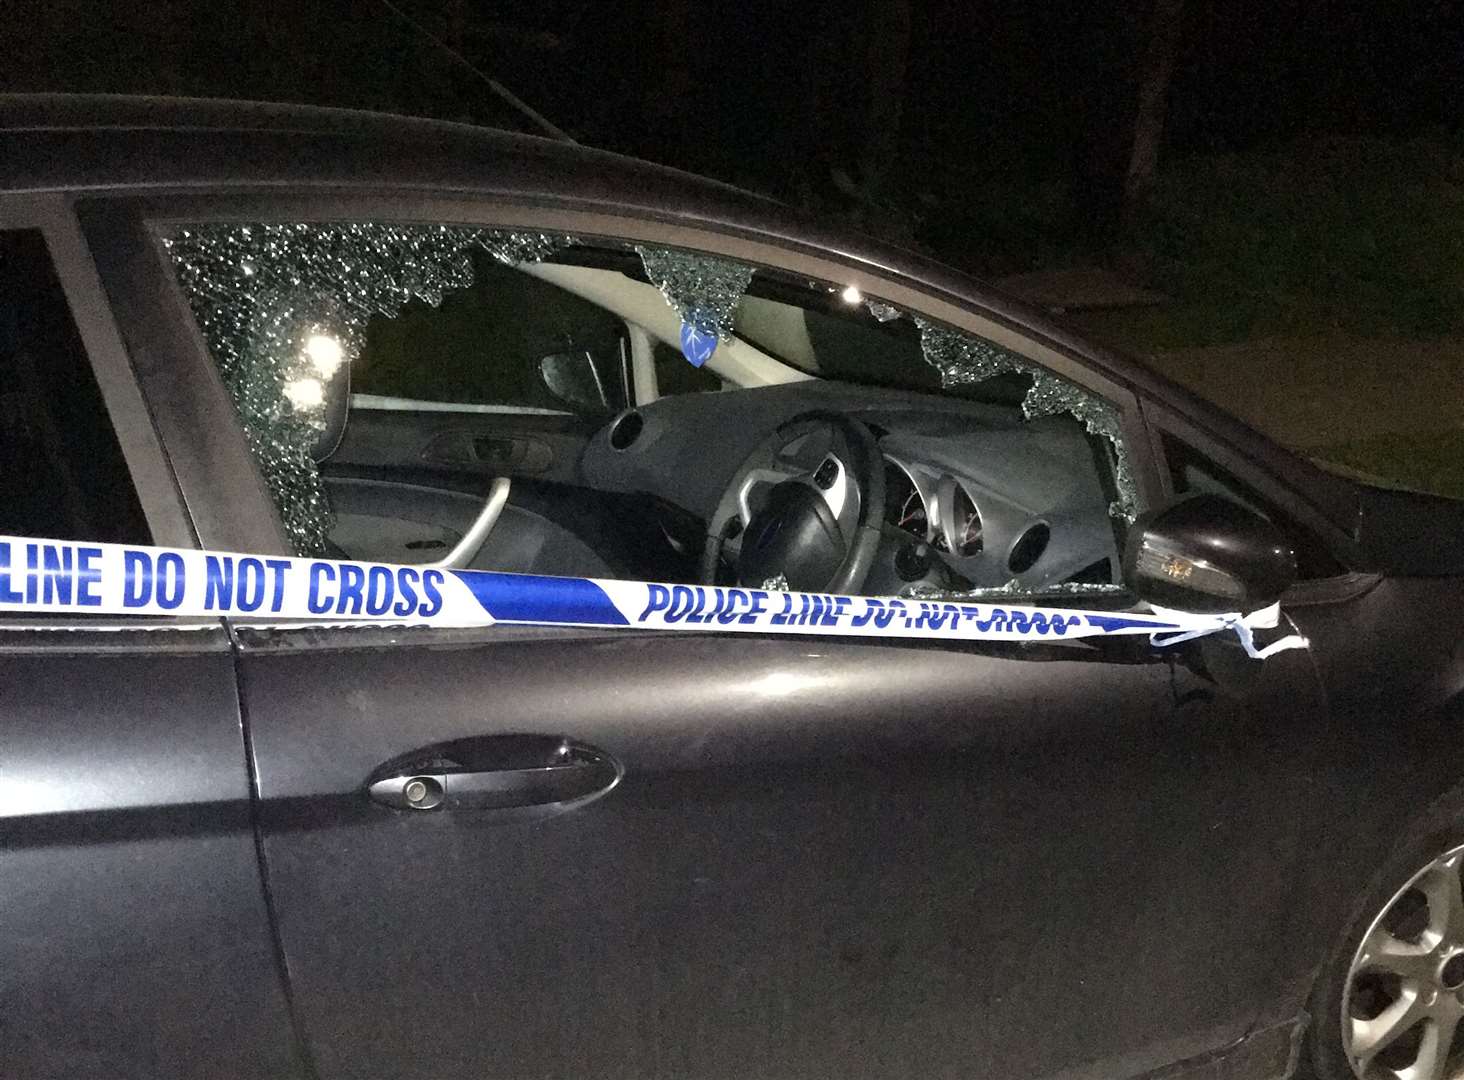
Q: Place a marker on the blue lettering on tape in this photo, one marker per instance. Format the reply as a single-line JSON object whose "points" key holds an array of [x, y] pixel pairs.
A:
{"points": [[8, 594], [406, 603], [137, 573], [380, 590], [170, 580], [57, 574], [278, 568], [432, 582], [658, 598], [88, 576], [351, 596], [218, 583], [321, 574], [251, 584]]}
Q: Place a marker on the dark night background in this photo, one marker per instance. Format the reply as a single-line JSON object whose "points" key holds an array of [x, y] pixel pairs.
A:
{"points": [[1290, 203]]}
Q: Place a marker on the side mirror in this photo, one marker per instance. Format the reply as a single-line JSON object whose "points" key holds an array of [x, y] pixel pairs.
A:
{"points": [[1207, 554], [573, 378]]}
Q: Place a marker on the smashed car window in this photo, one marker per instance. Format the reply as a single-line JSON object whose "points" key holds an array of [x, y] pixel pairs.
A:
{"points": [[284, 308], [390, 379], [964, 360]]}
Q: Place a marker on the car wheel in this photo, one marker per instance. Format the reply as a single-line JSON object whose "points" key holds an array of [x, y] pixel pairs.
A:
{"points": [[1390, 998]]}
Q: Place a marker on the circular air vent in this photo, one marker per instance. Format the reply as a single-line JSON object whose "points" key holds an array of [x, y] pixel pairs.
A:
{"points": [[1029, 548], [626, 430]]}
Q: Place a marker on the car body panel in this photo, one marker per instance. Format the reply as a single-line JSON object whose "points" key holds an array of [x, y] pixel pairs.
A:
{"points": [[1410, 533], [1390, 655], [824, 856], [137, 941]]}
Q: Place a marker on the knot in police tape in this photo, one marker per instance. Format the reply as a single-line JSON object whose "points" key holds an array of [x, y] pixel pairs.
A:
{"points": [[59, 576], [1244, 627]]}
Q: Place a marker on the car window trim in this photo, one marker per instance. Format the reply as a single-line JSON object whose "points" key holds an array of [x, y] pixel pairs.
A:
{"points": [[1165, 421], [142, 451], [225, 494]]}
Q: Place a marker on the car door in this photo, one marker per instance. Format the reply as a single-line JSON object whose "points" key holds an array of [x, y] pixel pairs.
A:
{"points": [[136, 941], [805, 856]]}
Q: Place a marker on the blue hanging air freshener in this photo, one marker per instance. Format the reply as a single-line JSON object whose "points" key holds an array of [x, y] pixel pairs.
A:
{"points": [[698, 338]]}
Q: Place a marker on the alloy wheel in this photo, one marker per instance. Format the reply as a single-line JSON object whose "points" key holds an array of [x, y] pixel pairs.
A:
{"points": [[1404, 996]]}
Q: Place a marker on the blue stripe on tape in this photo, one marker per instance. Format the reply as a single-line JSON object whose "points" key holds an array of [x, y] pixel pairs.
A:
{"points": [[1109, 623], [531, 598]]}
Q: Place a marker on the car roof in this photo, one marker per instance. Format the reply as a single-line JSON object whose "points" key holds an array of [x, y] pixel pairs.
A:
{"points": [[116, 143], [97, 143], [122, 141]]}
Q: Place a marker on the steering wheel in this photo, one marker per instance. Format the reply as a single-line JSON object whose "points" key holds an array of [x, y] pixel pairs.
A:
{"points": [[804, 508]]}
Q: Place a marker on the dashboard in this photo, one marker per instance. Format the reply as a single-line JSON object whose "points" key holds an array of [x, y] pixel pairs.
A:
{"points": [[1018, 507], [936, 509], [976, 496]]}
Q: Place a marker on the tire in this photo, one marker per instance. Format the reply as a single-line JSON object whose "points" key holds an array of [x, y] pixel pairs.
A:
{"points": [[1404, 993]]}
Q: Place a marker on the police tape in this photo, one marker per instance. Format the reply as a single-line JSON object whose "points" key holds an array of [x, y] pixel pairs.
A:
{"points": [[59, 576]]}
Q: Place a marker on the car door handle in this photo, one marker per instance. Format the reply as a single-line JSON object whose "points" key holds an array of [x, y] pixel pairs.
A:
{"points": [[496, 789]]}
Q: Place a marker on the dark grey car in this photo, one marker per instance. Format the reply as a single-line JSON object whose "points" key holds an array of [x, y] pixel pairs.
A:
{"points": [[294, 331]]}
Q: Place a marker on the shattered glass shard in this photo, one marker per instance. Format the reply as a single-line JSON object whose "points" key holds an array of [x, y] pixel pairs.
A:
{"points": [[518, 248], [964, 360], [266, 297], [923, 591], [881, 311], [1051, 396], [703, 290], [961, 359]]}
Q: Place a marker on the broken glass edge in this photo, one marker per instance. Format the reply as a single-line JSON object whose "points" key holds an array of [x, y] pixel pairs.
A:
{"points": [[703, 290], [1010, 590], [1051, 395], [262, 292], [963, 360], [882, 311], [693, 284]]}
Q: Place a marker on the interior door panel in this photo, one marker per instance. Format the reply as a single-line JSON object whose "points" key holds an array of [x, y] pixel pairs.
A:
{"points": [[405, 485], [415, 523], [539, 446]]}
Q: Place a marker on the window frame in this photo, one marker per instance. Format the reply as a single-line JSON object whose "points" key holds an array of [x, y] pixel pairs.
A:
{"points": [[232, 509], [1165, 423], [51, 215]]}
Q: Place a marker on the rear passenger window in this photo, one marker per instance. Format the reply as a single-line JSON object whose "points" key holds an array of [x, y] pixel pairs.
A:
{"points": [[62, 475]]}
